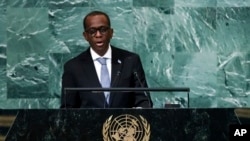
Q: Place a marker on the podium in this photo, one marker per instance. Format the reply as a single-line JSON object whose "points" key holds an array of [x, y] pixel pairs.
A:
{"points": [[124, 124]]}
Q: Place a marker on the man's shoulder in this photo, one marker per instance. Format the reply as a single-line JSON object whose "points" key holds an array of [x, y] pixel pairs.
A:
{"points": [[76, 59]]}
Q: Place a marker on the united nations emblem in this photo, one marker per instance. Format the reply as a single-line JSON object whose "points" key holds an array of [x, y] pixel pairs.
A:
{"points": [[126, 128]]}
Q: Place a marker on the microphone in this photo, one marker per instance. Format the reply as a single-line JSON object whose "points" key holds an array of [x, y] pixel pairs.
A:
{"points": [[105, 104], [116, 78], [145, 92]]}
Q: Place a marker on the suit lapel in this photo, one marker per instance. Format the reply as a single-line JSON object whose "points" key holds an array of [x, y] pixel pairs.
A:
{"points": [[89, 69], [89, 73]]}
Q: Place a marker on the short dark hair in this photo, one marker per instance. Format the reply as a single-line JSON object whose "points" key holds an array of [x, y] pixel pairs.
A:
{"points": [[94, 13]]}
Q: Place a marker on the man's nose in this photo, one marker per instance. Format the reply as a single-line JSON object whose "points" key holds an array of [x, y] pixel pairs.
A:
{"points": [[98, 33]]}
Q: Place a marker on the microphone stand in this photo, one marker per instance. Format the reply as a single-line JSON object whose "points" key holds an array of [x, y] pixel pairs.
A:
{"points": [[145, 92]]}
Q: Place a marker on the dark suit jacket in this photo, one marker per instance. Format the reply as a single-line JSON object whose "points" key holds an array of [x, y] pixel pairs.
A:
{"points": [[80, 72]]}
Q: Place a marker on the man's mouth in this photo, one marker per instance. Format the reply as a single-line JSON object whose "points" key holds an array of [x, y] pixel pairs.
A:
{"points": [[99, 43]]}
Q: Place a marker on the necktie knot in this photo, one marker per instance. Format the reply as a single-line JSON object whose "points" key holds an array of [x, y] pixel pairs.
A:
{"points": [[102, 61]]}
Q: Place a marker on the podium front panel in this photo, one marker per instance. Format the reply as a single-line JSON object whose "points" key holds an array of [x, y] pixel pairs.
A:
{"points": [[123, 124]]}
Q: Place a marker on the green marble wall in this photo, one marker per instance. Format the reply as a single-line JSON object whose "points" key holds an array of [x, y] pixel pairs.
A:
{"points": [[201, 44]]}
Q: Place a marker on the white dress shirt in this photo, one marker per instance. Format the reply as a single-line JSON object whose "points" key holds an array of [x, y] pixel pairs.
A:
{"points": [[98, 65]]}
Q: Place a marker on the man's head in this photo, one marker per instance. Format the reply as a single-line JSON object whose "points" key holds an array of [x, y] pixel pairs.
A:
{"points": [[98, 31]]}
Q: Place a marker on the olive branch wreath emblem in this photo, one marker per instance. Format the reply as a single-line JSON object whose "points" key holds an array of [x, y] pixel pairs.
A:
{"points": [[146, 127]]}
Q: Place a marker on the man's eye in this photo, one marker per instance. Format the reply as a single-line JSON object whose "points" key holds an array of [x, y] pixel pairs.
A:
{"points": [[103, 29], [92, 31]]}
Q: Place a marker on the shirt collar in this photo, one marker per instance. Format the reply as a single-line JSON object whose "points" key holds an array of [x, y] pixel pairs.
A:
{"points": [[106, 55]]}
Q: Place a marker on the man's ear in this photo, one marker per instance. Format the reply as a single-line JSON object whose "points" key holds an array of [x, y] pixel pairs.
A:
{"points": [[85, 35], [111, 33]]}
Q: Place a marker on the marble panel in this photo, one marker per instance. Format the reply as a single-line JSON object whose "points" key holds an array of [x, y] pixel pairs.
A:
{"points": [[28, 43], [160, 64], [27, 30], [28, 77], [232, 29], [3, 57], [195, 29], [196, 3], [56, 62], [233, 76], [122, 24], [3, 30], [61, 4], [111, 3], [233, 3], [229, 102], [153, 30], [155, 3], [66, 27], [27, 3], [197, 71], [30, 103], [233, 48], [3, 4]]}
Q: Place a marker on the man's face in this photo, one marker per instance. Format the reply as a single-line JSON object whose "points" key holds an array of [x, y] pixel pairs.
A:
{"points": [[98, 33]]}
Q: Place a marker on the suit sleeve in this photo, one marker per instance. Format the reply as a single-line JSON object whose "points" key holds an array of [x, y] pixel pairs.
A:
{"points": [[142, 99], [69, 98]]}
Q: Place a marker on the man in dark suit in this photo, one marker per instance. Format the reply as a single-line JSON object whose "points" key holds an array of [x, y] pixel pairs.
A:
{"points": [[124, 70]]}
